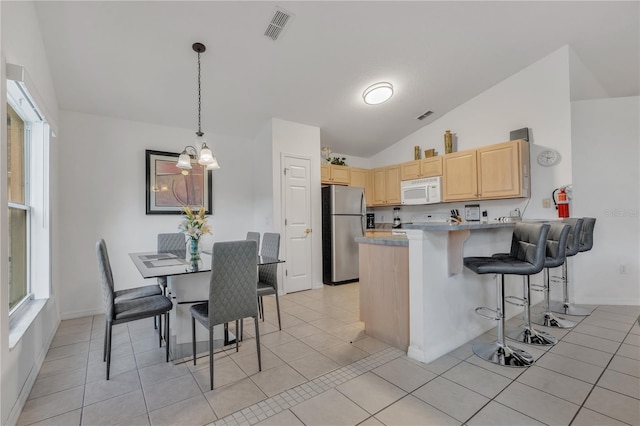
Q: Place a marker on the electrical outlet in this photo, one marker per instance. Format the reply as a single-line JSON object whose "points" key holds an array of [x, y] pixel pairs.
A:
{"points": [[546, 203]]}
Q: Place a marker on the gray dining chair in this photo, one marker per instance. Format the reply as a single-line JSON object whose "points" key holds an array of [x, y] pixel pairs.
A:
{"points": [[173, 243], [254, 236], [127, 305], [232, 293], [268, 274]]}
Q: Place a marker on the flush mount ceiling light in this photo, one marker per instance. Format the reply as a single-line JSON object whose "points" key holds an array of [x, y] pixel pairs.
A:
{"points": [[378, 93], [206, 157]]}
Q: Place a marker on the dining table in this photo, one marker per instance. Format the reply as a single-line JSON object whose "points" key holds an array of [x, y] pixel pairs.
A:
{"points": [[187, 284]]}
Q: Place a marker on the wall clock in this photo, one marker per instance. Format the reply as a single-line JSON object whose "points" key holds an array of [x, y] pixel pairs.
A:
{"points": [[548, 157]]}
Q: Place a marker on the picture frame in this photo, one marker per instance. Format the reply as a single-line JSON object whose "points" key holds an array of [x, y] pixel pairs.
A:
{"points": [[168, 189]]}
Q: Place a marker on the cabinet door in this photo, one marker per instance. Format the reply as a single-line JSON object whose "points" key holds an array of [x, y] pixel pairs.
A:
{"points": [[340, 175], [499, 174], [392, 189], [460, 178], [431, 167], [358, 177], [410, 170], [379, 183], [325, 173], [368, 188]]}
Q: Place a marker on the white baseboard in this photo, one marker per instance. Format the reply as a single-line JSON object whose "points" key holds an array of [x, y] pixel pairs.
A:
{"points": [[607, 301], [14, 415], [80, 314]]}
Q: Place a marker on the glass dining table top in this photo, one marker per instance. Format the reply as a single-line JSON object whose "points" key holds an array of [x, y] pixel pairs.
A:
{"points": [[153, 264]]}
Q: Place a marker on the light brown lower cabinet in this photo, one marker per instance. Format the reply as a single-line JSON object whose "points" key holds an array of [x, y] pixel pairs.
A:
{"points": [[384, 293]]}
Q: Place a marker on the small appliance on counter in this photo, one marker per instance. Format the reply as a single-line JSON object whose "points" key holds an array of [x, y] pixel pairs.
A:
{"points": [[396, 217], [371, 221]]}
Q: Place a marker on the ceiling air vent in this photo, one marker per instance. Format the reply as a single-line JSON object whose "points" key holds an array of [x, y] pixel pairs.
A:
{"points": [[425, 115], [278, 21]]}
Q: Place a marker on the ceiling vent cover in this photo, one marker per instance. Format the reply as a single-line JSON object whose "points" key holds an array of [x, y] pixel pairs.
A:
{"points": [[277, 24], [425, 115]]}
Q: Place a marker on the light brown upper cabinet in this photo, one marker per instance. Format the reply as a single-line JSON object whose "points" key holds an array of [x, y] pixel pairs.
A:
{"points": [[421, 168], [386, 185], [335, 175], [460, 176], [490, 172], [503, 170], [361, 178]]}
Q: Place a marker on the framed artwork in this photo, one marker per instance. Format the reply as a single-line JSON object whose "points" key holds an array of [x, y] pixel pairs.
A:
{"points": [[169, 188]]}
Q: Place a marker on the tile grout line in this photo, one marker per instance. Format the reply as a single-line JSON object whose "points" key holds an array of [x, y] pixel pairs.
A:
{"points": [[598, 380], [335, 378]]}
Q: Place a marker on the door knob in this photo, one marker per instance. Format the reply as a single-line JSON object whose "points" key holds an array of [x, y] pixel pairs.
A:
{"points": [[307, 231]]}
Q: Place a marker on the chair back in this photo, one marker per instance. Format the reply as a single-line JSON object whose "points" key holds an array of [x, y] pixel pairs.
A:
{"points": [[106, 278], [529, 244], [173, 243], [268, 274], [254, 236], [586, 237], [573, 243], [232, 288], [556, 244]]}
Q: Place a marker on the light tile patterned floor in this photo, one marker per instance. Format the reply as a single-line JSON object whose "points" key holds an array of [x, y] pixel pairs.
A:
{"points": [[322, 370]]}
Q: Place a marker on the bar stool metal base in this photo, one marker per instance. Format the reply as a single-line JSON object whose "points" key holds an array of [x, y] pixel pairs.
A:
{"points": [[503, 355], [568, 309], [547, 319], [531, 336]]}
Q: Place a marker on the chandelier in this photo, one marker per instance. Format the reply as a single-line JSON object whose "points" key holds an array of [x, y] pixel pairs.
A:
{"points": [[206, 157]]}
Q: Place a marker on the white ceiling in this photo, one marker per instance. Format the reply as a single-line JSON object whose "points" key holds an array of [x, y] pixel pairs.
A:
{"points": [[134, 60]]}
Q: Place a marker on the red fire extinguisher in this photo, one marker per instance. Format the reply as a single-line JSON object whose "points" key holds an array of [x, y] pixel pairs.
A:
{"points": [[562, 203]]}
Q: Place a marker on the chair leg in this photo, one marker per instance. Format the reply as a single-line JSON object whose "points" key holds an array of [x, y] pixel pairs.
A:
{"points": [[104, 348], [193, 339], [547, 318], [566, 307], [499, 352], [155, 325], [526, 333], [109, 327], [255, 320], [159, 330], [237, 336], [166, 333], [211, 356], [278, 309]]}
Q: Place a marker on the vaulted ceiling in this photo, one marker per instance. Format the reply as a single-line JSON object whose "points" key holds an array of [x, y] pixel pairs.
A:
{"points": [[133, 60]]}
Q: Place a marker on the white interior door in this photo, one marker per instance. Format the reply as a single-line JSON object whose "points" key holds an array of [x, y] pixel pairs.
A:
{"points": [[297, 210]]}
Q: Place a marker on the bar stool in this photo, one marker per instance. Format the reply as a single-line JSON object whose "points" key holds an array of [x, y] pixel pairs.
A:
{"points": [[555, 253], [547, 318], [527, 255], [566, 307]]}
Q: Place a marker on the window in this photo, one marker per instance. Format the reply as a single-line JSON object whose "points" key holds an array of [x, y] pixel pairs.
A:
{"points": [[27, 167], [17, 195]]}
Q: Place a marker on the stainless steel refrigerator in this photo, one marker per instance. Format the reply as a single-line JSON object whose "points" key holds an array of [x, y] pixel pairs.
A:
{"points": [[343, 219]]}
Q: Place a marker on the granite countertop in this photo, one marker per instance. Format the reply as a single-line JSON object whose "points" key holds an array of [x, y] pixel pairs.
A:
{"points": [[442, 226], [388, 240]]}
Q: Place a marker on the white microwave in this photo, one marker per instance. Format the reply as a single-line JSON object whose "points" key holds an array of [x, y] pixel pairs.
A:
{"points": [[421, 191]]}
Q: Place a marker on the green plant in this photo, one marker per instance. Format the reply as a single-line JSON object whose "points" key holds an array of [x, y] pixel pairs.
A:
{"points": [[338, 161]]}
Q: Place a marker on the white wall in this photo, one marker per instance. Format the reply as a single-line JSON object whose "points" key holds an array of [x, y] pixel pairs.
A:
{"points": [[102, 195], [262, 171], [606, 179], [303, 140], [21, 44], [536, 97]]}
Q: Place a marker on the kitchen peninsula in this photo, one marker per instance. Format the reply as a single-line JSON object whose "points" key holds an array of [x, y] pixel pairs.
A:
{"points": [[442, 295]]}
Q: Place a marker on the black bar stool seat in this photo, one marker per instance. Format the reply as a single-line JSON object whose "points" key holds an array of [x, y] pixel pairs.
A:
{"points": [[528, 248]]}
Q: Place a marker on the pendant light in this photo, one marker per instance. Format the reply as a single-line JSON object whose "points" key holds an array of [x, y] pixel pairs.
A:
{"points": [[206, 157]]}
